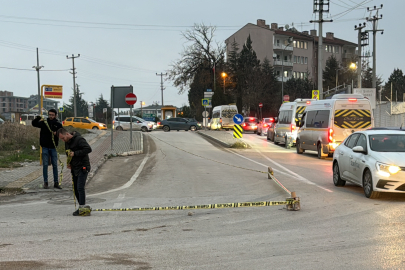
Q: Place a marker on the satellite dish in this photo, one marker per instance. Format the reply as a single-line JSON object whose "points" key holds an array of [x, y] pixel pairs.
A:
{"points": [[287, 26]]}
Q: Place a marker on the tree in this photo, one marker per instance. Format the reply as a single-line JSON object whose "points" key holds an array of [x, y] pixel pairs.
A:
{"points": [[397, 79], [367, 78], [329, 74], [203, 52], [299, 88], [101, 103]]}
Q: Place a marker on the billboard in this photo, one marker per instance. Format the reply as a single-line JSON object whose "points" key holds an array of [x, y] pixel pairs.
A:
{"points": [[369, 93]]}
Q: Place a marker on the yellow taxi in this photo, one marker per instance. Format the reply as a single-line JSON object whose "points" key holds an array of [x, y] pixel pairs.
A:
{"points": [[83, 122]]}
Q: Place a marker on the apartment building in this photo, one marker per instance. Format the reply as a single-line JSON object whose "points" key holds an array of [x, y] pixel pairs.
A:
{"points": [[296, 59], [11, 103]]}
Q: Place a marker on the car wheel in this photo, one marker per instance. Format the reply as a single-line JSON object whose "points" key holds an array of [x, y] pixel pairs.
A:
{"points": [[255, 131], [274, 140], [268, 137], [120, 128], [299, 149], [287, 145], [227, 129], [166, 128], [337, 180], [193, 128], [144, 129], [321, 155], [368, 186], [95, 128]]}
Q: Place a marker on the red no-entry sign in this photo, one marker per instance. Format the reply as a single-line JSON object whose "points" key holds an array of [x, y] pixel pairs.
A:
{"points": [[130, 99], [260, 104]]}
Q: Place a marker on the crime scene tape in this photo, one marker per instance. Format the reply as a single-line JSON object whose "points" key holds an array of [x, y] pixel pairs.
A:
{"points": [[205, 206]]}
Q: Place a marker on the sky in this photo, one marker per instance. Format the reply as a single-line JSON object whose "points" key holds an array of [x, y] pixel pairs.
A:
{"points": [[126, 42]]}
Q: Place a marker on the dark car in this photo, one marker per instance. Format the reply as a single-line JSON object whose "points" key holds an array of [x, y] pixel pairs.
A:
{"points": [[177, 123], [250, 124], [198, 124]]}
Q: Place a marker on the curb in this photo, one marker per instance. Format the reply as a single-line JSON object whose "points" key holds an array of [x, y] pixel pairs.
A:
{"points": [[214, 139]]}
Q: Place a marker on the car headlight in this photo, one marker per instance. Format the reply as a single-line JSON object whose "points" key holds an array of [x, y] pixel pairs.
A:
{"points": [[100, 125], [386, 170]]}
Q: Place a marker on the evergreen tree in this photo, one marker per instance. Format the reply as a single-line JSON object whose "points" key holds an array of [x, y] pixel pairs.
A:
{"points": [[100, 105], [397, 78], [329, 74]]}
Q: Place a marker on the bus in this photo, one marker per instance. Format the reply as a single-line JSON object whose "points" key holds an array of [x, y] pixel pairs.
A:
{"points": [[222, 117], [26, 119]]}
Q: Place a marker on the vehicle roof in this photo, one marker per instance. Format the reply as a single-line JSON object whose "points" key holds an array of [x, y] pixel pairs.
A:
{"points": [[382, 131]]}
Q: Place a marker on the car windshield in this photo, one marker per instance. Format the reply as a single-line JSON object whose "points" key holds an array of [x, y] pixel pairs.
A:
{"points": [[91, 120], [387, 142]]}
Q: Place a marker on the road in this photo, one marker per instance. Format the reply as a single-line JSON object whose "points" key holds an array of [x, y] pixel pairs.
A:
{"points": [[337, 228]]}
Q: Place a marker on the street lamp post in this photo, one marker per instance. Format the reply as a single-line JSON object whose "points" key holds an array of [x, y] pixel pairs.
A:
{"points": [[224, 76], [352, 66], [290, 40], [142, 103]]}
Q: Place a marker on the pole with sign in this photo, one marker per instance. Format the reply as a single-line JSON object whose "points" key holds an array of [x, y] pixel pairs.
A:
{"points": [[237, 129], [315, 94], [130, 99], [260, 106]]}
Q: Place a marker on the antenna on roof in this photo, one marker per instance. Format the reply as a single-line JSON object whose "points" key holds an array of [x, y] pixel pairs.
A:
{"points": [[287, 27]]}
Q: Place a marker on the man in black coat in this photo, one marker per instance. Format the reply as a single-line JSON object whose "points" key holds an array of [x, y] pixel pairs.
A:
{"points": [[78, 150], [48, 145]]}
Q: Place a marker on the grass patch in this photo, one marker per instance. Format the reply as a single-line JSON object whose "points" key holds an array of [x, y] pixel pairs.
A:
{"points": [[16, 143], [240, 145]]}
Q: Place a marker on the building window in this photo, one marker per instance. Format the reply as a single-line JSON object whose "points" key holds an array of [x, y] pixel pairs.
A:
{"points": [[306, 60], [285, 73], [295, 59], [302, 59], [278, 42], [305, 45], [278, 72], [295, 44], [336, 49]]}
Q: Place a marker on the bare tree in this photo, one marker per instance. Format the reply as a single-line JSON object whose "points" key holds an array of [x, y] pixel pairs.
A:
{"points": [[202, 52]]}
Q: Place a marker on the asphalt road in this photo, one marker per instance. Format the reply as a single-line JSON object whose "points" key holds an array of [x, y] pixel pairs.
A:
{"points": [[337, 228]]}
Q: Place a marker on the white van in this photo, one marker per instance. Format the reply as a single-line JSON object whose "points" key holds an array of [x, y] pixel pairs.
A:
{"points": [[285, 130], [326, 123], [222, 117]]}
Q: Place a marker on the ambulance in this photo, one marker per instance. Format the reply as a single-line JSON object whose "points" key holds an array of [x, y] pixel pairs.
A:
{"points": [[326, 123]]}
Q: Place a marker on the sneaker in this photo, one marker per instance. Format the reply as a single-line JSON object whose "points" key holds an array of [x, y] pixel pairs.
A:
{"points": [[56, 185], [76, 213], [85, 211], [45, 185]]}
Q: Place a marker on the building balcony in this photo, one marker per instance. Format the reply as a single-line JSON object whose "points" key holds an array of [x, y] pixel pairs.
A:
{"points": [[283, 63], [286, 78], [348, 55], [283, 47]]}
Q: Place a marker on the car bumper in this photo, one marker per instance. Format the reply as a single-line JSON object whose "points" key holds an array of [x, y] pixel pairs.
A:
{"points": [[250, 128], [394, 183]]}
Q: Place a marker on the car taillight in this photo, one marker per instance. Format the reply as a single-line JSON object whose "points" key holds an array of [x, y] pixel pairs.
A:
{"points": [[220, 120], [63, 122], [265, 125], [20, 119], [113, 121], [353, 99], [292, 127], [158, 123], [308, 102], [330, 135], [271, 119], [244, 125]]}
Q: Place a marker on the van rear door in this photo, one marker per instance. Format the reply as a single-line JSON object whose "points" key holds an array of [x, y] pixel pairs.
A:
{"points": [[351, 116]]}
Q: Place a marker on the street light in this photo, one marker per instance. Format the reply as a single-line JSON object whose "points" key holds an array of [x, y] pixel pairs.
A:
{"points": [[224, 76], [290, 41], [352, 66], [142, 103]]}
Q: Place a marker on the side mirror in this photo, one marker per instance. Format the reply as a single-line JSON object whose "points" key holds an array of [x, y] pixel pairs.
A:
{"points": [[358, 149]]}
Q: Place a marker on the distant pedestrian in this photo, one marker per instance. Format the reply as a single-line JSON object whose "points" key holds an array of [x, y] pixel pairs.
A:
{"points": [[78, 150], [49, 141]]}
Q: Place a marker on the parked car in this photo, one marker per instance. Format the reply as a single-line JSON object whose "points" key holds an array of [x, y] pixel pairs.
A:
{"points": [[270, 130], [177, 123], [373, 159], [83, 122], [264, 125], [250, 124], [124, 123]]}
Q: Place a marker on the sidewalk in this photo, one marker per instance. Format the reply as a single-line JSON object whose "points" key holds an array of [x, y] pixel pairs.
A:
{"points": [[29, 177]]}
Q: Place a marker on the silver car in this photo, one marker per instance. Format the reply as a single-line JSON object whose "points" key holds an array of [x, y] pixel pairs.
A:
{"points": [[124, 123], [373, 159]]}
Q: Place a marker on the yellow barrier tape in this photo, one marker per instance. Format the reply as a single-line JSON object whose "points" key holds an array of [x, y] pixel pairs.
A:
{"points": [[204, 206]]}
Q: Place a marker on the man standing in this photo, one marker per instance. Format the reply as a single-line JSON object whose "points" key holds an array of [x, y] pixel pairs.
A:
{"points": [[78, 151], [49, 141]]}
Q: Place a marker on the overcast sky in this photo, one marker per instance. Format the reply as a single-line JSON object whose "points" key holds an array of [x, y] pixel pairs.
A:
{"points": [[127, 42]]}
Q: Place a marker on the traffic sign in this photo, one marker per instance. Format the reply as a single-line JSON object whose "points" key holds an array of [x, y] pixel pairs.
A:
{"points": [[104, 110], [315, 94], [286, 98], [237, 131], [53, 91], [260, 104], [205, 114], [238, 119], [130, 99], [61, 109], [205, 102]]}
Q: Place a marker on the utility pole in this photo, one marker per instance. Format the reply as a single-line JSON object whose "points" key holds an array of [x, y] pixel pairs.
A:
{"points": [[360, 39], [74, 81], [320, 6], [374, 19], [161, 83], [37, 68]]}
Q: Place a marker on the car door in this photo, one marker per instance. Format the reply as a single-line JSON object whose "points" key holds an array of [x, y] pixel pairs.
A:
{"points": [[77, 123], [346, 156], [183, 124], [136, 123], [358, 162], [86, 124]]}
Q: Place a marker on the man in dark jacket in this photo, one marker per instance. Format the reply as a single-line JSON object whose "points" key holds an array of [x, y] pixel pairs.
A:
{"points": [[48, 145], [78, 151]]}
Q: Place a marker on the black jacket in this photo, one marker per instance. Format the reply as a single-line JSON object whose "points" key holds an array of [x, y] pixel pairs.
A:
{"points": [[81, 150], [45, 139]]}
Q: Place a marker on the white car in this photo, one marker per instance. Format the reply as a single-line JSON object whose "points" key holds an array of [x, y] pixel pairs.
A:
{"points": [[373, 159], [123, 123]]}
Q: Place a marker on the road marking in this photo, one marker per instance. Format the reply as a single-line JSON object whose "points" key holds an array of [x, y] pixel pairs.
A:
{"points": [[299, 177]]}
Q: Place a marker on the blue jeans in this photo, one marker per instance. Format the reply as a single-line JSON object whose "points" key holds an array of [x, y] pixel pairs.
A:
{"points": [[46, 153]]}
